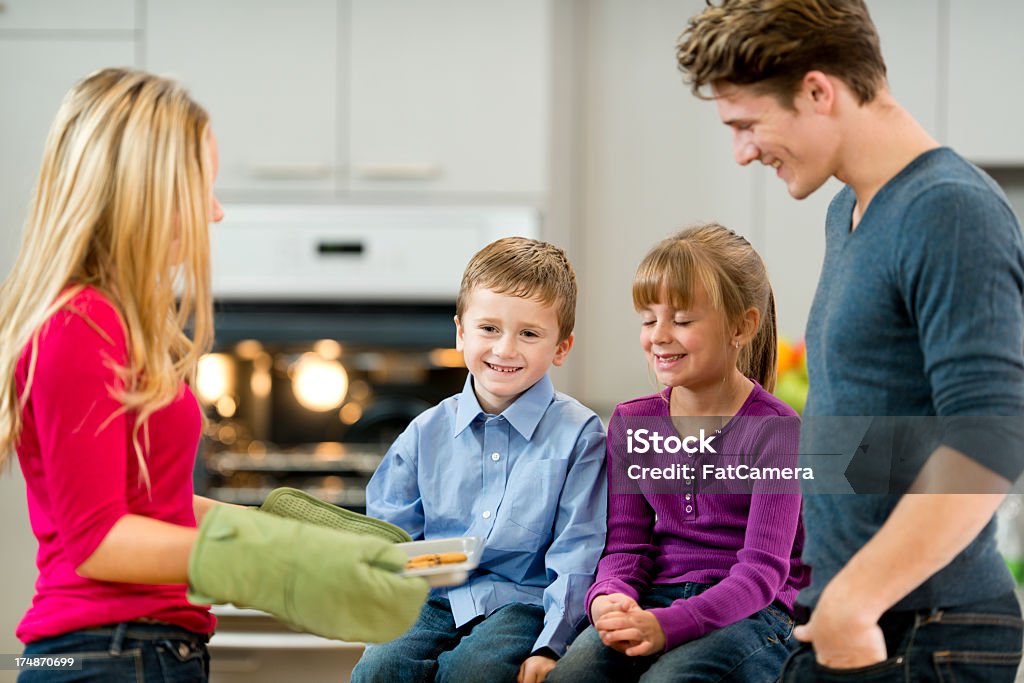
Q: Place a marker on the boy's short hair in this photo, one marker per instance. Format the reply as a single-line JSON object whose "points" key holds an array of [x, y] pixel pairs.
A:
{"points": [[525, 268], [772, 44]]}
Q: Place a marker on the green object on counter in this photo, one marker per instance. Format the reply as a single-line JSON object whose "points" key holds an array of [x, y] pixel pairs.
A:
{"points": [[1017, 569], [318, 580], [296, 504]]}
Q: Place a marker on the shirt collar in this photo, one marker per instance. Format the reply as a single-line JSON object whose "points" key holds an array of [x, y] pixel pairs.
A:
{"points": [[524, 414]]}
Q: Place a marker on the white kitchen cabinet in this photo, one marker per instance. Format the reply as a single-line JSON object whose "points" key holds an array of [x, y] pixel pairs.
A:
{"points": [[984, 97], [450, 96], [67, 15], [268, 73], [35, 73]]}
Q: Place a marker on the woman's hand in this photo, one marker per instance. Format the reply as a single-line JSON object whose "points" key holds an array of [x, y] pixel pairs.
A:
{"points": [[635, 633], [535, 669], [613, 602]]}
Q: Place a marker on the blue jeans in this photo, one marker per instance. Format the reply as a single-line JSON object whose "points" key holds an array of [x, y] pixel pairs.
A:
{"points": [[753, 649], [490, 649], [128, 651], [976, 642]]}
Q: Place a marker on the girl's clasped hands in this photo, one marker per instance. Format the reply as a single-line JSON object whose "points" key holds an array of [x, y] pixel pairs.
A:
{"points": [[625, 626]]}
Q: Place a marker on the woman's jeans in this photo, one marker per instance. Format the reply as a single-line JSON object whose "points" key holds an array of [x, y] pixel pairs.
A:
{"points": [[128, 651], [489, 649], [751, 650], [976, 642]]}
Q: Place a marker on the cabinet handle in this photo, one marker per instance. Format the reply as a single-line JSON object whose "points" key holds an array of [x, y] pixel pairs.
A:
{"points": [[291, 171], [326, 248], [398, 171]]}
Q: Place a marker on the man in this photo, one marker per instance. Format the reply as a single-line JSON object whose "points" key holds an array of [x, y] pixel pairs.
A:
{"points": [[919, 311]]}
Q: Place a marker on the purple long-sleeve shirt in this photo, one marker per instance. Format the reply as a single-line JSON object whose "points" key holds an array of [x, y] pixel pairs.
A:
{"points": [[746, 546]]}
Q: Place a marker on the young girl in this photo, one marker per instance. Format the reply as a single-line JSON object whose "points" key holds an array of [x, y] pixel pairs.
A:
{"points": [[94, 363], [696, 585]]}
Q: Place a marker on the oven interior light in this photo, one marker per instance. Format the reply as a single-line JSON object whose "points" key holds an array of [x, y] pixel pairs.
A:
{"points": [[248, 349], [328, 349], [260, 383], [350, 413], [226, 406], [447, 358], [214, 377], [319, 384]]}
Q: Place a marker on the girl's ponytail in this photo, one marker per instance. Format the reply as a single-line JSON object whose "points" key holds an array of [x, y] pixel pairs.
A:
{"points": [[760, 360]]}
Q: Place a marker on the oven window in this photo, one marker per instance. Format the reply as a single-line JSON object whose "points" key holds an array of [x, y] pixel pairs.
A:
{"points": [[287, 408]]}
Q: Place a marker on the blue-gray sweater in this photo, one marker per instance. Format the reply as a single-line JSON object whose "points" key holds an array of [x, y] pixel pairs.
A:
{"points": [[918, 312]]}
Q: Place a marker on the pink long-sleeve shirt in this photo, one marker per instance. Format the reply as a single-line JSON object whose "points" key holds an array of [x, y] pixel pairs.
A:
{"points": [[746, 546], [82, 473]]}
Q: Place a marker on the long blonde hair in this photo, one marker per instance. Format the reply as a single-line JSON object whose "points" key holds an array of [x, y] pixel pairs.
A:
{"points": [[734, 277], [121, 204]]}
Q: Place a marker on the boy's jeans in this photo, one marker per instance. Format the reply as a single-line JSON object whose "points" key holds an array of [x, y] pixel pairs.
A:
{"points": [[490, 649], [975, 642], [128, 651]]}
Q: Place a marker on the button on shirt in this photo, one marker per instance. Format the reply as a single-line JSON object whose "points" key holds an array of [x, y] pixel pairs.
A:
{"points": [[531, 482]]}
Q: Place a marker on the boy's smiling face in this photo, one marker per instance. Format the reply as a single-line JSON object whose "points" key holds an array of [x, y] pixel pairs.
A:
{"points": [[509, 343]]}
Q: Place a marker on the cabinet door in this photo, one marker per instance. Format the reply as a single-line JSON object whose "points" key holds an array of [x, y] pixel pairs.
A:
{"points": [[267, 73], [986, 56], [34, 75], [450, 95], [68, 14]]}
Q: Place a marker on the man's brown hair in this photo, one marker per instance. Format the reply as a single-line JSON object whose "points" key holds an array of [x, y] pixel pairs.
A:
{"points": [[772, 44], [525, 268]]}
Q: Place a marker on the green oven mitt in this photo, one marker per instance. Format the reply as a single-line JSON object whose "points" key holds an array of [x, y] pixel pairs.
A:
{"points": [[296, 504], [324, 581]]}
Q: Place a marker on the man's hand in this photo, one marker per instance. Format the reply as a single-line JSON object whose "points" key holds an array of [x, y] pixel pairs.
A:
{"points": [[844, 636], [535, 669], [613, 602], [635, 633]]}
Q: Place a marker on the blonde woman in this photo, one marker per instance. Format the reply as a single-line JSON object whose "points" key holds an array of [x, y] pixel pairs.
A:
{"points": [[95, 367]]}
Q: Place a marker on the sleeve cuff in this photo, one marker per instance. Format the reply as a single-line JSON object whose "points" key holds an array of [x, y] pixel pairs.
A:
{"points": [[678, 623], [556, 636], [607, 587]]}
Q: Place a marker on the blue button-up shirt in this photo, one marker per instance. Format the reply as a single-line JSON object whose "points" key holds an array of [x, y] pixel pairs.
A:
{"points": [[531, 481]]}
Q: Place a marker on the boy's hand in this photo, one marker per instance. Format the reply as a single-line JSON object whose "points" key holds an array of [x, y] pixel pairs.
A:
{"points": [[635, 633], [613, 602], [535, 669]]}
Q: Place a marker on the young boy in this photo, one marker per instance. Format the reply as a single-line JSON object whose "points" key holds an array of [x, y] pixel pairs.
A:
{"points": [[509, 460]]}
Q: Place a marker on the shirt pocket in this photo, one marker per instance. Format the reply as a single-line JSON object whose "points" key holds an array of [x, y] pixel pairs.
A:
{"points": [[535, 489]]}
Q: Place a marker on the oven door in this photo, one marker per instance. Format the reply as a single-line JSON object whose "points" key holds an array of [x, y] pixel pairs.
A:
{"points": [[311, 394]]}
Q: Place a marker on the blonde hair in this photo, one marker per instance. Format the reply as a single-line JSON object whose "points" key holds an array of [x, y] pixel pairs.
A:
{"points": [[771, 44], [734, 277], [122, 205], [525, 268]]}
